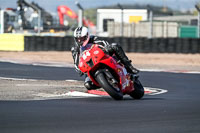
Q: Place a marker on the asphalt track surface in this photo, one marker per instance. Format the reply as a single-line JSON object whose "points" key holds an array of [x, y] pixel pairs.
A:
{"points": [[177, 111]]}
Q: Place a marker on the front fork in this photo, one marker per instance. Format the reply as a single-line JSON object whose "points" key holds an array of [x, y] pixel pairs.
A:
{"points": [[108, 74]]}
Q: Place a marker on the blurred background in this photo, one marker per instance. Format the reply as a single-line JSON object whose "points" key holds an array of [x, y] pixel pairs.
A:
{"points": [[163, 23]]}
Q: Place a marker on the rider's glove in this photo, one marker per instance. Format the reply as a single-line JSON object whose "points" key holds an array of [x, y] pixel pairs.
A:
{"points": [[78, 71], [81, 74], [74, 51]]}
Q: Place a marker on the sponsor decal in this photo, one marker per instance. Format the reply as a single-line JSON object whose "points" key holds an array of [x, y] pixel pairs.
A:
{"points": [[85, 55], [96, 52], [81, 64]]}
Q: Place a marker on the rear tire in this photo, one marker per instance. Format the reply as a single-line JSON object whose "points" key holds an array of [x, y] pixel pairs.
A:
{"points": [[138, 93], [113, 91]]}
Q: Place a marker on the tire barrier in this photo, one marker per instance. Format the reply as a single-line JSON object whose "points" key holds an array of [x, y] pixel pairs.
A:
{"points": [[138, 45], [48, 43]]}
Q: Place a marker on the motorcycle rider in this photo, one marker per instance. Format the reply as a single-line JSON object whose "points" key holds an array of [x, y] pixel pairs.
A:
{"points": [[83, 38]]}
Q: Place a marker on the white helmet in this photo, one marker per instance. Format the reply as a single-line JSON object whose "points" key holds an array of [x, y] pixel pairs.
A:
{"points": [[81, 36]]}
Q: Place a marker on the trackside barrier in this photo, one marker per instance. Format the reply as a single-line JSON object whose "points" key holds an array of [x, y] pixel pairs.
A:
{"points": [[48, 43], [138, 45], [11, 42], [158, 45]]}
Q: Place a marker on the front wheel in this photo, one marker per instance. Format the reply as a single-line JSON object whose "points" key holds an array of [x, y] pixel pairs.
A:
{"points": [[138, 93], [113, 90]]}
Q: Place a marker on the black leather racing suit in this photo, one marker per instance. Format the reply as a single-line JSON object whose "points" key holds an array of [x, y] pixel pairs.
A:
{"points": [[111, 49]]}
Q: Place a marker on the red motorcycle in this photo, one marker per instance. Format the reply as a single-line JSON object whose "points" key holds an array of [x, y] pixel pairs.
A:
{"points": [[107, 72]]}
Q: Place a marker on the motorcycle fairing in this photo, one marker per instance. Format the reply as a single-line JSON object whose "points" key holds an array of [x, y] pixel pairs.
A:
{"points": [[94, 58]]}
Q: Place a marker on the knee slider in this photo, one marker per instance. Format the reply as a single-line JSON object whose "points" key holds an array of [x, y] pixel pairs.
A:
{"points": [[115, 46], [88, 85]]}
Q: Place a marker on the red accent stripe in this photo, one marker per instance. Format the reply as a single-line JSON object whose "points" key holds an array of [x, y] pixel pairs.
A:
{"points": [[97, 92], [147, 92], [103, 93]]}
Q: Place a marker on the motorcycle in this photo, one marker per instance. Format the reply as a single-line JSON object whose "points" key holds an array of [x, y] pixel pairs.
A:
{"points": [[107, 72]]}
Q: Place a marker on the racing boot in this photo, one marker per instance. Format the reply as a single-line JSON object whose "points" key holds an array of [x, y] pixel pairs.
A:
{"points": [[89, 84], [119, 52], [129, 67]]}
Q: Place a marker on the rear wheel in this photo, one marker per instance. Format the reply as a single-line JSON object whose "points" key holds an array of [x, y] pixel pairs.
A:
{"points": [[138, 93], [112, 89]]}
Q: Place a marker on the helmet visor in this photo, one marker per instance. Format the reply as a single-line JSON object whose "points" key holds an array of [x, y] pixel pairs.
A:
{"points": [[81, 40]]}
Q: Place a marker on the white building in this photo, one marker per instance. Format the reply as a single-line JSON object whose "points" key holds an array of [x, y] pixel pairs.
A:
{"points": [[115, 15], [188, 19]]}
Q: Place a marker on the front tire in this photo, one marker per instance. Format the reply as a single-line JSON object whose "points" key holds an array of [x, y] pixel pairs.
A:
{"points": [[112, 90], [138, 93]]}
